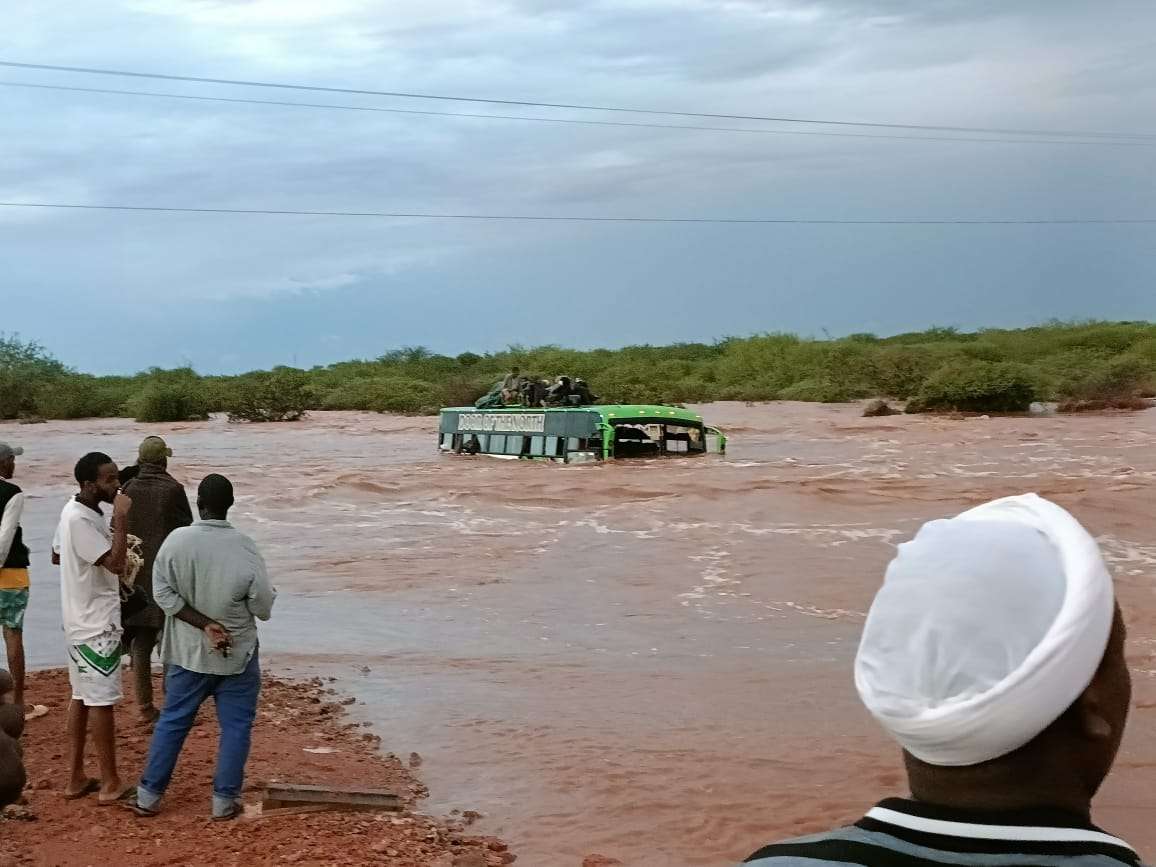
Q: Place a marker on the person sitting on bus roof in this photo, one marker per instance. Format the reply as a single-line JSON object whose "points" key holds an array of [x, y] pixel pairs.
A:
{"points": [[559, 393], [533, 391], [512, 387], [585, 397]]}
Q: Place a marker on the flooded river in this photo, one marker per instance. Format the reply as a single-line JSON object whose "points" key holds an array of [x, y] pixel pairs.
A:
{"points": [[652, 660]]}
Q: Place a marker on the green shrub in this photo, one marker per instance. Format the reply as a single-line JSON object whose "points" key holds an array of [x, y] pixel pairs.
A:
{"points": [[170, 401], [1104, 339], [25, 368], [1066, 360], [900, 371], [76, 396], [823, 391], [850, 365], [1145, 349], [282, 395], [977, 386], [935, 334], [982, 351], [1122, 383], [386, 394], [463, 391]]}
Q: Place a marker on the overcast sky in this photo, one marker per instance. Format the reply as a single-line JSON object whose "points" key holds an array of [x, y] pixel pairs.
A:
{"points": [[117, 292]]}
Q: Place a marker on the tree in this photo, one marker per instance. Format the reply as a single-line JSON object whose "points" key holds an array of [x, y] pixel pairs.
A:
{"points": [[25, 367]]}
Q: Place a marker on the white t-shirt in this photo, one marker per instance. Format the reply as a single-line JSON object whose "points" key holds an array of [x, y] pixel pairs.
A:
{"points": [[89, 594]]}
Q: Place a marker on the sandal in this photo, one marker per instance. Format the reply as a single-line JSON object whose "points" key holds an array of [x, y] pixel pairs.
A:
{"points": [[126, 796], [89, 787]]}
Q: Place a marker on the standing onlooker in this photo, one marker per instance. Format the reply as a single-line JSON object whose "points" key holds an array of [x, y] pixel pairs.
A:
{"points": [[12, 773], [91, 559], [210, 581], [13, 569], [160, 505]]}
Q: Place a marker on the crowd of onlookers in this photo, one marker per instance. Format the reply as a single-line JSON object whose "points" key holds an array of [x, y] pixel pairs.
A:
{"points": [[147, 576]]}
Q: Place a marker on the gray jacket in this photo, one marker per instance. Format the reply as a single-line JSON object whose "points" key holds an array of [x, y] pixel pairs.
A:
{"points": [[219, 572]]}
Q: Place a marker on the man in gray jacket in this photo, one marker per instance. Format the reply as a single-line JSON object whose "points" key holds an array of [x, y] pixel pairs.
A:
{"points": [[210, 581]]}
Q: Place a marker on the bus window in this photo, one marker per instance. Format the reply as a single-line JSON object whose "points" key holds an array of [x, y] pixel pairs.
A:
{"points": [[538, 446], [514, 444], [497, 445], [554, 446], [680, 440], [573, 444]]}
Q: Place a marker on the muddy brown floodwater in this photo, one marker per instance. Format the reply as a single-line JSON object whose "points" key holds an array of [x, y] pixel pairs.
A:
{"points": [[650, 660]]}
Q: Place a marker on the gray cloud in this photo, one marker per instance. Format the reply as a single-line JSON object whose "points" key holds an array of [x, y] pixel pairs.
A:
{"points": [[249, 291]]}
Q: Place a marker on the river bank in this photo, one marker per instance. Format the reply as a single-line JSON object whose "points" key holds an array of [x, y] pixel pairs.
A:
{"points": [[302, 735]]}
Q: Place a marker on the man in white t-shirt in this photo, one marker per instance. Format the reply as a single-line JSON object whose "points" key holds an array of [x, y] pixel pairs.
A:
{"points": [[91, 558]]}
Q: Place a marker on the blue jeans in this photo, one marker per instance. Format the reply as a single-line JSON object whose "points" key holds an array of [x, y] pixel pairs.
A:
{"points": [[235, 696]]}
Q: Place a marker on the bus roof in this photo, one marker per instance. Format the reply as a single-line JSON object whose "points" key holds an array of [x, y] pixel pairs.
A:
{"points": [[609, 412]]}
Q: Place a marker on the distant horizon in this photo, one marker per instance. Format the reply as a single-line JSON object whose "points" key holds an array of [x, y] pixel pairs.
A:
{"points": [[615, 347]]}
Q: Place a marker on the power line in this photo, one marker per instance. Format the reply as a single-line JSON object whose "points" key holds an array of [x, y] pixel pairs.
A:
{"points": [[558, 120], [575, 106], [580, 219]]}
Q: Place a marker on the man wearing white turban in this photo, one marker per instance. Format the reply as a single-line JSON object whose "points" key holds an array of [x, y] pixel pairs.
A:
{"points": [[994, 655]]}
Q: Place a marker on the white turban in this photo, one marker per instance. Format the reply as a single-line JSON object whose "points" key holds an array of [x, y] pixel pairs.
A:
{"points": [[987, 628]]}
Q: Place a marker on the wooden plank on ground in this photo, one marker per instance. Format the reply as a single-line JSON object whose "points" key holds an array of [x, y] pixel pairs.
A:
{"points": [[282, 795], [290, 811]]}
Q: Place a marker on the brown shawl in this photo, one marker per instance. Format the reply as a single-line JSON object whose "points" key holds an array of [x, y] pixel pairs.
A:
{"points": [[159, 506]]}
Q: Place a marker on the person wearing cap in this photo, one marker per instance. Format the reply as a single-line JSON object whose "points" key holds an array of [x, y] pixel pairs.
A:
{"points": [[160, 505], [994, 656], [14, 564], [211, 583]]}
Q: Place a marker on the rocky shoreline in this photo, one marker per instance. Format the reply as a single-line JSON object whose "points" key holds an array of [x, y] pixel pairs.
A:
{"points": [[301, 736]]}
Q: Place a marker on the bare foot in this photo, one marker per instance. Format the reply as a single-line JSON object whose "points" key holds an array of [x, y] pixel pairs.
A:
{"points": [[122, 794], [80, 788]]}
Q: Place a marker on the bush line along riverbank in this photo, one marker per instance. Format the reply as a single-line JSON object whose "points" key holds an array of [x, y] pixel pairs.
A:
{"points": [[1089, 365]]}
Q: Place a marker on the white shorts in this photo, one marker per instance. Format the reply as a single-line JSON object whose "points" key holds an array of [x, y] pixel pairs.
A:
{"points": [[94, 670]]}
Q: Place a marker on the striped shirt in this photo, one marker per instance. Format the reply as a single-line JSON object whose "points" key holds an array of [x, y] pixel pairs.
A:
{"points": [[901, 833]]}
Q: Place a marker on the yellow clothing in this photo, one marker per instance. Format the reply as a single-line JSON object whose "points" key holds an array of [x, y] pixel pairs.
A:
{"points": [[13, 579]]}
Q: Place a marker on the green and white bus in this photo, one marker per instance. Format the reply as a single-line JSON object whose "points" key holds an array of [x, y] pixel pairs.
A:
{"points": [[577, 434]]}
